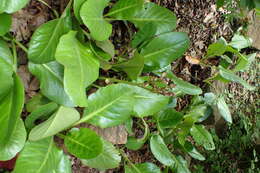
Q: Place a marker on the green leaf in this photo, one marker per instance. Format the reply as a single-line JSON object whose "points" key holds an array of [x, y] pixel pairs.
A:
{"points": [[108, 159], [164, 49], [202, 137], [132, 67], [163, 19], [35, 102], [51, 82], [77, 4], [42, 157], [136, 144], [160, 151], [223, 109], [244, 61], [220, 3], [181, 165], [107, 46], [191, 150], [83, 143], [184, 86], [6, 21], [6, 73], [124, 9], [59, 121], [109, 106], [229, 75], [5, 53], [143, 168], [145, 33], [169, 118], [45, 39], [217, 49], [42, 112], [81, 67], [12, 130], [240, 42], [11, 6], [92, 15], [147, 103]]}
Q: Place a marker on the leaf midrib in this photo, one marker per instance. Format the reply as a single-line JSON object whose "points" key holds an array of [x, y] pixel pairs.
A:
{"points": [[46, 156]]}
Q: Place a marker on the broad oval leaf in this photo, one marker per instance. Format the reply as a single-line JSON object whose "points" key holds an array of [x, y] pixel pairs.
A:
{"points": [[132, 67], [240, 42], [41, 112], [160, 151], [164, 49], [184, 86], [60, 120], [6, 21], [11, 6], [163, 19], [42, 157], [6, 73], [81, 67], [223, 109], [108, 159], [45, 39], [147, 103], [217, 49], [5, 53], [109, 106], [143, 168], [202, 137], [92, 15], [77, 4], [229, 75], [192, 151], [51, 82], [124, 9], [181, 165], [83, 143], [169, 118], [12, 130]]}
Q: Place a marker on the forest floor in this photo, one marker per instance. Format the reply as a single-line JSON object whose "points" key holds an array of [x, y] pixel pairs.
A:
{"points": [[203, 22]]}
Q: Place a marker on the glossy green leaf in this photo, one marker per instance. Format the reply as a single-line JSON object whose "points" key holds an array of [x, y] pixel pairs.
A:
{"points": [[42, 112], [11, 6], [125, 9], [184, 86], [161, 17], [5, 53], [108, 159], [60, 120], [45, 39], [160, 151], [217, 49], [147, 103], [81, 67], [92, 15], [164, 49], [107, 46], [83, 143], [51, 82], [240, 42], [191, 150], [12, 130], [169, 118], [145, 33], [143, 168], [109, 106], [42, 157], [6, 72], [35, 102], [6, 21], [181, 165], [223, 109], [136, 143], [202, 137], [229, 75], [244, 61], [77, 4], [132, 67]]}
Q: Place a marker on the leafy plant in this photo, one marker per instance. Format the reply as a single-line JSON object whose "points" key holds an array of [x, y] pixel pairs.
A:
{"points": [[68, 60]]}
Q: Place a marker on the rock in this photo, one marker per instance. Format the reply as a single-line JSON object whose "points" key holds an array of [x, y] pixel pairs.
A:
{"points": [[254, 30]]}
